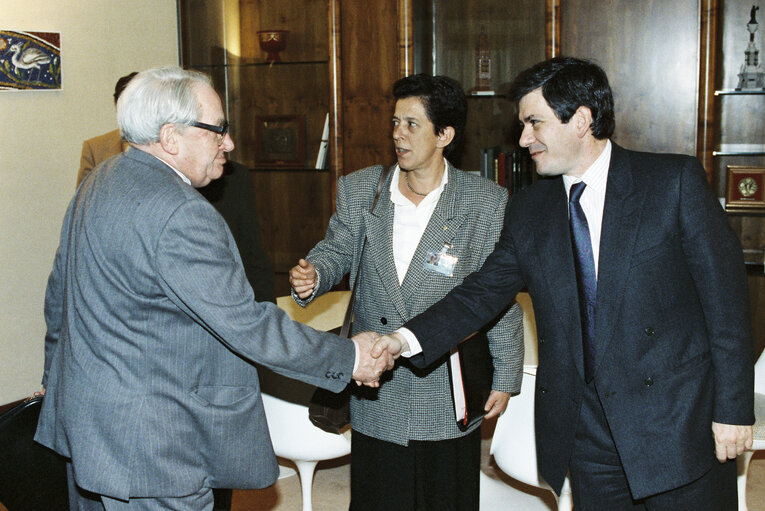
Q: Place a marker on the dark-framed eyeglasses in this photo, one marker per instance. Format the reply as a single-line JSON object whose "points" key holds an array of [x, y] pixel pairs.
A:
{"points": [[218, 130]]}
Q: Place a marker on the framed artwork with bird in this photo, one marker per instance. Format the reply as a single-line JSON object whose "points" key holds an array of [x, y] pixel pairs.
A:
{"points": [[30, 60]]}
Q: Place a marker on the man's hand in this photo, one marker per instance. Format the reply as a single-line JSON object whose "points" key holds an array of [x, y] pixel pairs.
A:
{"points": [[303, 278], [731, 440], [394, 344], [370, 367], [496, 404]]}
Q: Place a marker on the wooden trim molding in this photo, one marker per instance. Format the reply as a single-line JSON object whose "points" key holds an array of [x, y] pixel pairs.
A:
{"points": [[336, 97], [705, 133], [405, 38], [552, 28]]}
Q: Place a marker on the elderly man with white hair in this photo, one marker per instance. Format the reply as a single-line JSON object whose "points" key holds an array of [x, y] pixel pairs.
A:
{"points": [[153, 329]]}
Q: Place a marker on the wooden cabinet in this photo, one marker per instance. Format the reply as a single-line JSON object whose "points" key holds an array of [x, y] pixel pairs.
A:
{"points": [[732, 129], [339, 62]]}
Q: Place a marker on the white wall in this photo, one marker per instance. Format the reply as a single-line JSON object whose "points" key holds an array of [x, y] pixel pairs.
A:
{"points": [[40, 143]]}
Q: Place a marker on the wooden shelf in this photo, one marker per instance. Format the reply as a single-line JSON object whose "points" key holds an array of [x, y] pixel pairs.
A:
{"points": [[259, 63], [493, 94], [740, 150], [745, 212], [734, 92]]}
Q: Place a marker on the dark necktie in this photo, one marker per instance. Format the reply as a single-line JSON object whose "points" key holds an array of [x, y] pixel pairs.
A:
{"points": [[586, 282]]}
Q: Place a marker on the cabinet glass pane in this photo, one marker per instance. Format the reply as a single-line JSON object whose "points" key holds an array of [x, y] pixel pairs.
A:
{"points": [[220, 37], [446, 34]]}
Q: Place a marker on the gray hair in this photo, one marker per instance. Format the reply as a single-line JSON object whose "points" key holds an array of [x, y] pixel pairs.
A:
{"points": [[156, 97]]}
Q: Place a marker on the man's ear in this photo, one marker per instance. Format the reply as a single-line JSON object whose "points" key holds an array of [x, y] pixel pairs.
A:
{"points": [[445, 137], [583, 120], [169, 139]]}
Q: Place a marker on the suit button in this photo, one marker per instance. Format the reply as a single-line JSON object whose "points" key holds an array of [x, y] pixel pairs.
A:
{"points": [[648, 381], [384, 320], [541, 340], [649, 331], [543, 390]]}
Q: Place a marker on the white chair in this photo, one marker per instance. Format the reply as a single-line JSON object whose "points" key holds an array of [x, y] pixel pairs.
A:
{"points": [[742, 461], [513, 444], [292, 434], [295, 438]]}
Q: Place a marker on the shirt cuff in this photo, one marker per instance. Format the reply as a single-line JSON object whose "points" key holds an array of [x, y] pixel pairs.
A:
{"points": [[356, 359], [414, 344]]}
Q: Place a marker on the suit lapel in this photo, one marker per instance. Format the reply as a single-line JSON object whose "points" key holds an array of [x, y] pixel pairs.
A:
{"points": [[379, 229], [621, 220], [553, 246], [443, 226]]}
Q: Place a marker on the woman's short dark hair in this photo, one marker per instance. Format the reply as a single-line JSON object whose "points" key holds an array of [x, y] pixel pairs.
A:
{"points": [[568, 83], [443, 99]]}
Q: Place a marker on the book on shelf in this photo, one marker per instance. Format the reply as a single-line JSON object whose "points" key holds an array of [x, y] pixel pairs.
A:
{"points": [[512, 169], [321, 158], [488, 164]]}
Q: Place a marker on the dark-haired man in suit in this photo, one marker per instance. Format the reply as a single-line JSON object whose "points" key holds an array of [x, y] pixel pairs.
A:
{"points": [[641, 301]]}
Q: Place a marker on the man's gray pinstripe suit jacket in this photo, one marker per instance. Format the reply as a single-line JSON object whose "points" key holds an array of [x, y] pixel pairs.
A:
{"points": [[152, 331]]}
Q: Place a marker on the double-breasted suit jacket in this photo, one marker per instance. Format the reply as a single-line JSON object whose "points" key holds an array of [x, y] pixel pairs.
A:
{"points": [[411, 403], [674, 349], [152, 331]]}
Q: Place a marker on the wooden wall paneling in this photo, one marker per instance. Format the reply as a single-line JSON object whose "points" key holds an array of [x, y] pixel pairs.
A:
{"points": [[294, 211], [649, 49], [370, 66]]}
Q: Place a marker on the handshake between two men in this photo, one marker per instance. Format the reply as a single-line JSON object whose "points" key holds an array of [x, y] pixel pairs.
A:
{"points": [[377, 354]]}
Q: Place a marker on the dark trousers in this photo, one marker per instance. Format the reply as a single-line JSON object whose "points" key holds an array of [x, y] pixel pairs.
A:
{"points": [[598, 481], [424, 476]]}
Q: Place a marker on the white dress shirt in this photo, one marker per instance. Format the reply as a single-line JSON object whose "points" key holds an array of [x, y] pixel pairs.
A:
{"points": [[410, 221]]}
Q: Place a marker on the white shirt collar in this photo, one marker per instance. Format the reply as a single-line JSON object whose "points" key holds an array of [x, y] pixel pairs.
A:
{"points": [[596, 175], [185, 179], [396, 197]]}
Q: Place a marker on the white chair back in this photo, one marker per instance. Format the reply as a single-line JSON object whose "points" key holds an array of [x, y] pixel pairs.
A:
{"points": [[295, 438], [514, 444], [759, 374]]}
